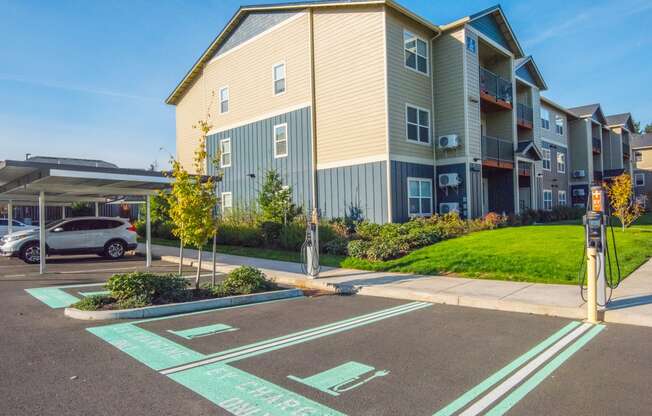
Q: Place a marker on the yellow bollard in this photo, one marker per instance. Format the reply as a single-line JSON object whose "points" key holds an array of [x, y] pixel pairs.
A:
{"points": [[592, 286]]}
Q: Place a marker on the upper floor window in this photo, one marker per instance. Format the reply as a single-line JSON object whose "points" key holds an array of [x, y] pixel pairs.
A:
{"points": [[279, 78], [638, 156], [280, 140], [545, 119], [470, 44], [546, 158], [420, 196], [416, 52], [559, 125], [639, 179], [417, 124], [547, 200], [561, 162], [225, 153], [224, 100]]}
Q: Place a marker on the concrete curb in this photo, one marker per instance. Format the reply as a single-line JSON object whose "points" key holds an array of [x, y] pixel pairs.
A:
{"points": [[176, 308]]}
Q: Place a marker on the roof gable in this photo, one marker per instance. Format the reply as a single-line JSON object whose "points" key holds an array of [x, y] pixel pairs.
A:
{"points": [[530, 150], [621, 120], [493, 23], [593, 111], [527, 70]]}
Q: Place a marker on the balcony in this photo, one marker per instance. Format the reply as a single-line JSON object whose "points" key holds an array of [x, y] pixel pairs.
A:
{"points": [[497, 153], [597, 146], [626, 151], [495, 91], [524, 116]]}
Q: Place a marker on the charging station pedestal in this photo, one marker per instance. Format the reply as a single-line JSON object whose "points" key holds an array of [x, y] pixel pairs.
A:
{"points": [[594, 222]]}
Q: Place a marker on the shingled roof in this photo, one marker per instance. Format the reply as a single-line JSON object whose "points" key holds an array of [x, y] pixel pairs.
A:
{"points": [[640, 141]]}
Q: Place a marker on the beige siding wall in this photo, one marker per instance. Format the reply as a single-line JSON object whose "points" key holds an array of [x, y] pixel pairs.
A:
{"points": [[247, 71], [580, 149], [550, 135], [646, 161], [449, 90], [350, 83], [474, 126], [405, 86]]}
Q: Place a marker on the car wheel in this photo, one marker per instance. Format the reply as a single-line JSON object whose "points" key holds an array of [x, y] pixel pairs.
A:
{"points": [[31, 253], [114, 250]]}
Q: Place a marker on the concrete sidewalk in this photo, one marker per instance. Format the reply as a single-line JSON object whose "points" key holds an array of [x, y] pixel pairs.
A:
{"points": [[631, 302]]}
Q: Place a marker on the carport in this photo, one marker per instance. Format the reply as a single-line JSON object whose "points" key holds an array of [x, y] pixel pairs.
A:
{"points": [[27, 182]]}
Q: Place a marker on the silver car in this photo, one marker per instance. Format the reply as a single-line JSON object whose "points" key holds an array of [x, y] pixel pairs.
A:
{"points": [[16, 226], [110, 237]]}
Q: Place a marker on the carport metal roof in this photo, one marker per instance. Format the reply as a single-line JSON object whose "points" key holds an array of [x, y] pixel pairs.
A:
{"points": [[22, 181]]}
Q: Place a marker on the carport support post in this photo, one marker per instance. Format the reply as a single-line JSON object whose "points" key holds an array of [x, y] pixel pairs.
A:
{"points": [[41, 231], [97, 209], [148, 234], [10, 217], [63, 212]]}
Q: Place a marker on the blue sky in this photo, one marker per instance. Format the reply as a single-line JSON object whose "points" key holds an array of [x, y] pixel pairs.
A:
{"points": [[88, 78]]}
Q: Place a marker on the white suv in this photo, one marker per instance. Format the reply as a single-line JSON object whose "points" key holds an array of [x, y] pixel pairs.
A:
{"points": [[110, 237], [16, 226]]}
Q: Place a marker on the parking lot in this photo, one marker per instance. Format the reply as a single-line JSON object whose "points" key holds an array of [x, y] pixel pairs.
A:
{"points": [[326, 354]]}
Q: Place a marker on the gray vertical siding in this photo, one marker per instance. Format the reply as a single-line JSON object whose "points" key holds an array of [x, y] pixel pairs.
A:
{"points": [[360, 186], [487, 24], [399, 174], [253, 24], [252, 153]]}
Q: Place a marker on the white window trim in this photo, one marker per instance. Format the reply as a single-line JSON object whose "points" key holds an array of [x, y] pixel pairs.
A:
{"points": [[285, 78], [427, 73], [547, 191], [543, 153], [224, 206], [407, 138], [287, 140], [563, 155], [559, 194], [547, 119], [638, 156], [563, 125], [228, 99], [222, 164], [639, 175], [420, 214]]}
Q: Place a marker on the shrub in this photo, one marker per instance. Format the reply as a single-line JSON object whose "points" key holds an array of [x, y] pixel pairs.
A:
{"points": [[292, 236], [147, 288], [92, 303], [243, 281], [358, 248], [271, 232], [239, 235], [368, 230], [329, 232], [337, 246]]}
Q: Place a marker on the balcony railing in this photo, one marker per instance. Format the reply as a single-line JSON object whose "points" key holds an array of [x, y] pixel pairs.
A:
{"points": [[524, 115], [495, 86], [597, 146], [498, 151], [625, 151]]}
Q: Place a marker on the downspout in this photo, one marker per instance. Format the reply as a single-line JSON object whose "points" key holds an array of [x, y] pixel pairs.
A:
{"points": [[313, 113], [434, 136]]}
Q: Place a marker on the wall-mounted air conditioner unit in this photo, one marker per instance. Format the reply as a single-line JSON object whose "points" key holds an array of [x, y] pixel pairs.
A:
{"points": [[580, 173], [446, 207], [579, 192], [450, 141], [449, 180]]}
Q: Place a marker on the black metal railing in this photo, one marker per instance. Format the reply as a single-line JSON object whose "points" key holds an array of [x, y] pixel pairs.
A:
{"points": [[524, 114], [495, 86], [597, 146], [500, 150]]}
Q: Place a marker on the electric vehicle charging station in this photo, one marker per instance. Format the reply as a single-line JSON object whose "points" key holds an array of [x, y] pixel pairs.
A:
{"points": [[310, 248], [598, 266]]}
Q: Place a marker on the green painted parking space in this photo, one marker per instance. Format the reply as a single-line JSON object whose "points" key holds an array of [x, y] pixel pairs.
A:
{"points": [[382, 361], [57, 297]]}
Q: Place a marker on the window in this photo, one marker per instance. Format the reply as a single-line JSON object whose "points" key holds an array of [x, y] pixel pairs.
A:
{"points": [[224, 100], [546, 158], [545, 119], [561, 162], [547, 199], [470, 44], [281, 140], [561, 196], [559, 125], [227, 202], [638, 156], [225, 153], [416, 52], [278, 73], [417, 124], [419, 196], [639, 179]]}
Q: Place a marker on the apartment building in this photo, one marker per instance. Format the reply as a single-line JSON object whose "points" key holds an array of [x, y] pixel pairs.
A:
{"points": [[641, 146], [365, 105], [617, 148]]}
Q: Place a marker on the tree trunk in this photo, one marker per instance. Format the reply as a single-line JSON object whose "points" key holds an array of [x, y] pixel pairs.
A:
{"points": [[214, 259], [180, 257], [198, 268]]}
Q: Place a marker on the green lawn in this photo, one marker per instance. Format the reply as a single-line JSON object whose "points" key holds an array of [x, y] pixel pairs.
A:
{"points": [[540, 253]]}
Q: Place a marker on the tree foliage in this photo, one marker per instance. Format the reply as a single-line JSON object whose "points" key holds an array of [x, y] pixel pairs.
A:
{"points": [[621, 198], [275, 200]]}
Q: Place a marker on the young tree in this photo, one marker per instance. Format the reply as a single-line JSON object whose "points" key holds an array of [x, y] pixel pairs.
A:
{"points": [[621, 197], [275, 200], [192, 199]]}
